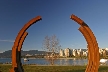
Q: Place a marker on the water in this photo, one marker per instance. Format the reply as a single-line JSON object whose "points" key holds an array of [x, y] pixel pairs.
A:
{"points": [[45, 62]]}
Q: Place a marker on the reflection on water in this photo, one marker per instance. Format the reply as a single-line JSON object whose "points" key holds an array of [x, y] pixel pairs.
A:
{"points": [[61, 62], [45, 62], [72, 61], [66, 61], [74, 58]]}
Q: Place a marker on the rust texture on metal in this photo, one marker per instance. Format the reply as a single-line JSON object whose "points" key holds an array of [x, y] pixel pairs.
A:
{"points": [[19, 64], [22, 40], [78, 20], [90, 46], [16, 45], [93, 58]]}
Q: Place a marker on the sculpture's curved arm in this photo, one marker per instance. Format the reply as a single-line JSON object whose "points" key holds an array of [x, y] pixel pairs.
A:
{"points": [[90, 47], [76, 19], [96, 49], [21, 32], [25, 27], [22, 40], [19, 64]]}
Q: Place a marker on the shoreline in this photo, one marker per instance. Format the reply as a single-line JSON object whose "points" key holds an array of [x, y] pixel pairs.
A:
{"points": [[57, 58]]}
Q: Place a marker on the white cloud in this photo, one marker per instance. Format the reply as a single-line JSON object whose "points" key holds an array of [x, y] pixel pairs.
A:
{"points": [[7, 40]]}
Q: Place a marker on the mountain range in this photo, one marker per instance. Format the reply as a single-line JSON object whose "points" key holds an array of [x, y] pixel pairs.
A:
{"points": [[8, 54]]}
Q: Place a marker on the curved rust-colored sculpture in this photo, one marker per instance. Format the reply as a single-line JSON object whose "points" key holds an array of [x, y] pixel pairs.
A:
{"points": [[90, 46], [18, 44], [93, 58], [19, 64]]}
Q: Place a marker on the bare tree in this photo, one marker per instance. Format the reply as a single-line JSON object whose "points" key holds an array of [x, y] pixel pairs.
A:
{"points": [[51, 47]]}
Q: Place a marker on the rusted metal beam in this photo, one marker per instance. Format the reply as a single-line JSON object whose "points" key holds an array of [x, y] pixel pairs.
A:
{"points": [[95, 49], [19, 64], [17, 40], [90, 46]]}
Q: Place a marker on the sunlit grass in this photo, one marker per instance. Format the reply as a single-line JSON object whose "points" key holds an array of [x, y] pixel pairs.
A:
{"points": [[30, 68]]}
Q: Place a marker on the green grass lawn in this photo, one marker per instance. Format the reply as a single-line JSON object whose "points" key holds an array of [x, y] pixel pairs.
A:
{"points": [[28, 68]]}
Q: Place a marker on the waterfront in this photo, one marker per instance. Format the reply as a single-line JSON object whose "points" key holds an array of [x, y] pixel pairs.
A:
{"points": [[42, 61], [64, 65]]}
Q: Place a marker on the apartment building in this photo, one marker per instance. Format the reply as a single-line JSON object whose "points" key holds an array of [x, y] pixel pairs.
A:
{"points": [[81, 52], [67, 52], [74, 52], [61, 52]]}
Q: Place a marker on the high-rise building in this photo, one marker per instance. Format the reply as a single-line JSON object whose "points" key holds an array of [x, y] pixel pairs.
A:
{"points": [[74, 52], [67, 52], [106, 49], [85, 53], [61, 52]]}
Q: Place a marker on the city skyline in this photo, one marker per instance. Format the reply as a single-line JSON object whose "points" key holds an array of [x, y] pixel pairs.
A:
{"points": [[55, 20]]}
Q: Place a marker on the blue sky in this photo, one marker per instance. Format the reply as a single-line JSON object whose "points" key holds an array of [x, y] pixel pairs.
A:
{"points": [[55, 20]]}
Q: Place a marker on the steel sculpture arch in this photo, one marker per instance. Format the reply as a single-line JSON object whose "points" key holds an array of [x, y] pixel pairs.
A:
{"points": [[19, 64], [16, 49], [93, 50], [88, 40], [93, 58]]}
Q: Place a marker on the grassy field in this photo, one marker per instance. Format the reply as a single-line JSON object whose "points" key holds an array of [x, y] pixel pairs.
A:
{"points": [[28, 68]]}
